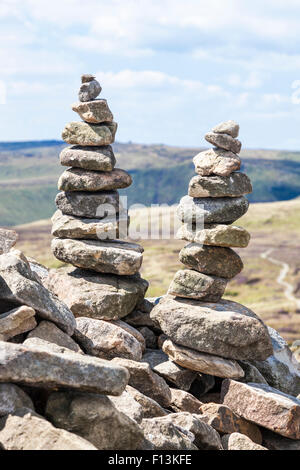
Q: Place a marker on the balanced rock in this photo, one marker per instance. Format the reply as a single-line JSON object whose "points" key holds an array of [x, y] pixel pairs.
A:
{"points": [[17, 321], [8, 239], [227, 127], [109, 228], [106, 340], [215, 235], [89, 89], [264, 406], [90, 205], [164, 435], [49, 332], [194, 285], [237, 441], [12, 398], [100, 296], [114, 257], [77, 179], [95, 418], [21, 364], [200, 362], [94, 112], [211, 260], [89, 158], [151, 409], [82, 133], [26, 430], [211, 210], [19, 285], [235, 185], [216, 162], [225, 329], [184, 401], [224, 141]]}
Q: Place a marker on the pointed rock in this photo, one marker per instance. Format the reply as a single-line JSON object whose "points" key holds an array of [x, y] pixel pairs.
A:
{"points": [[227, 127]]}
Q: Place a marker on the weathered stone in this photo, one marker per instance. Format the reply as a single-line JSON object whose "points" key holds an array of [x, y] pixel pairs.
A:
{"points": [[77, 179], [184, 401], [203, 384], [206, 437], [95, 112], [151, 409], [224, 141], [235, 185], [100, 296], [46, 346], [191, 284], [264, 406], [89, 205], [90, 158], [223, 210], [136, 333], [26, 430], [212, 260], [227, 127], [200, 362], [110, 228], [146, 381], [38, 269], [8, 239], [95, 418], [113, 257], [47, 331], [106, 340], [216, 235], [237, 441], [82, 133], [125, 403], [164, 435], [225, 329], [89, 89], [19, 285], [274, 441], [17, 321], [224, 420], [149, 337], [252, 374], [12, 398], [140, 319], [216, 162], [20, 364]]}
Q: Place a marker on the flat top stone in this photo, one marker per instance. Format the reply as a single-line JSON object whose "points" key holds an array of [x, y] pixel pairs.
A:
{"points": [[83, 133], [48, 331], [215, 235], [216, 161], [236, 185], [92, 205], [227, 127], [89, 158], [95, 111], [78, 179], [224, 141]]}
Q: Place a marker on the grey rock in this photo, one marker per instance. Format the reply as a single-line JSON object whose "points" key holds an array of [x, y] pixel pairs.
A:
{"points": [[94, 112], [78, 179], [12, 398], [215, 235], [82, 133], [216, 162], [252, 374], [89, 158], [49, 332], [8, 239], [194, 285], [149, 336], [151, 409], [89, 205], [224, 141], [227, 127], [89, 90], [164, 435], [126, 404], [134, 332], [184, 401], [237, 441], [236, 185], [16, 321], [46, 346], [274, 441]]}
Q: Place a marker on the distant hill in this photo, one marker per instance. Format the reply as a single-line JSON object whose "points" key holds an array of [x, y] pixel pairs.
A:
{"points": [[29, 173]]}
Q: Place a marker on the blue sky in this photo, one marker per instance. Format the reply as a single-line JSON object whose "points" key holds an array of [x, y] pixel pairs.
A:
{"points": [[170, 69]]}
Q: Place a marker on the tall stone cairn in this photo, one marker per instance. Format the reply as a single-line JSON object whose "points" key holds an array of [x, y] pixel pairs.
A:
{"points": [[90, 219], [205, 332]]}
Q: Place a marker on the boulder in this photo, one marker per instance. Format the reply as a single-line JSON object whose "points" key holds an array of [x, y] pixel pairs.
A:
{"points": [[211, 260], [16, 321], [184, 401], [82, 133], [89, 158], [89, 205], [113, 257], [224, 141], [30, 366], [264, 406], [78, 179], [12, 398], [225, 329], [8, 239], [94, 112], [26, 430], [49, 332], [227, 127], [95, 418], [191, 284], [105, 340], [164, 435], [237, 441], [90, 88], [235, 185], [19, 286], [151, 409], [100, 296], [216, 235], [216, 161], [207, 210], [200, 362]]}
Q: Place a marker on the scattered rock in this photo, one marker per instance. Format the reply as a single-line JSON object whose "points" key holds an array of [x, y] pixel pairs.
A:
{"points": [[184, 401], [12, 398], [194, 285], [90, 205], [17, 321], [238, 441], [151, 409], [164, 435], [216, 162], [8, 239], [136, 333], [89, 89], [94, 112], [47, 331], [235, 185], [228, 127], [78, 179], [224, 141], [89, 158], [125, 403], [216, 235]]}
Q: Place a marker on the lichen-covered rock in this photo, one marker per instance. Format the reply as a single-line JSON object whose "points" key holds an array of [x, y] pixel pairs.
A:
{"points": [[224, 141], [89, 205], [113, 257], [8, 239], [225, 329], [94, 112], [83, 133], [228, 127], [191, 284], [235, 185], [47, 331], [215, 235], [95, 418], [100, 296], [237, 441], [211, 260], [89, 158], [16, 321], [12, 398], [78, 179], [207, 210], [216, 161], [90, 88]]}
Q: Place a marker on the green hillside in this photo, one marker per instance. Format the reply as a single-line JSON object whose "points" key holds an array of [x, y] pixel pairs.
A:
{"points": [[29, 173]]}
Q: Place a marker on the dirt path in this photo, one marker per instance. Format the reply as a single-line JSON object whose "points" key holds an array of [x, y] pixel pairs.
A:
{"points": [[289, 289]]}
